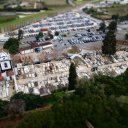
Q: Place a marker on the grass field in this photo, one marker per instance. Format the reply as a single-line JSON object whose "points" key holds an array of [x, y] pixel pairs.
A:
{"points": [[7, 18], [121, 10], [55, 2], [103, 17], [55, 6], [80, 2], [19, 22]]}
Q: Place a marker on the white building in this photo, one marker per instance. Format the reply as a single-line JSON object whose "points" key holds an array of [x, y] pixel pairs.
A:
{"points": [[109, 2], [34, 46], [124, 1], [6, 74], [5, 62], [118, 1]]}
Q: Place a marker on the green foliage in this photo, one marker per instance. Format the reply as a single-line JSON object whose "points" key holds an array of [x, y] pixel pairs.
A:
{"points": [[14, 49], [123, 18], [126, 36], [101, 101], [2, 108], [72, 77], [12, 45], [38, 120], [91, 11], [57, 33], [115, 17], [102, 27], [32, 101], [121, 10], [40, 34], [15, 106], [37, 37], [20, 34], [109, 44], [58, 96], [4, 19], [113, 26]]}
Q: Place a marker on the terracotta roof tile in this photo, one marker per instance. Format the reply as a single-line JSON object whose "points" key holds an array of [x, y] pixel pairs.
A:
{"points": [[34, 45]]}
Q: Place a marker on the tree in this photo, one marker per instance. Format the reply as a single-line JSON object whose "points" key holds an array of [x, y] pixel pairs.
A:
{"points": [[37, 37], [115, 17], [9, 43], [102, 27], [20, 34], [86, 106], [109, 44], [2, 108], [126, 36], [41, 34], [12, 44], [58, 96], [15, 106], [72, 77], [32, 101], [14, 49], [56, 33], [113, 26], [51, 36]]}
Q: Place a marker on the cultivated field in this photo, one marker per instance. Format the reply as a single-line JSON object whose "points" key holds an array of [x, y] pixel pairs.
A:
{"points": [[55, 2], [121, 10]]}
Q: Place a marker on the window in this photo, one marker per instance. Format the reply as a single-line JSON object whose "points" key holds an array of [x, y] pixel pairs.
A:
{"points": [[5, 65]]}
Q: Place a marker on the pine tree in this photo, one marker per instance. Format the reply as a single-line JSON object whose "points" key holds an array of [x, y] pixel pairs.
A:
{"points": [[109, 44], [113, 26], [126, 36], [20, 34], [72, 77], [102, 27]]}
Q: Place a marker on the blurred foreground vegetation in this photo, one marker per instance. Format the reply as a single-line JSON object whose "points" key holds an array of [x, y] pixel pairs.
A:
{"points": [[101, 102]]}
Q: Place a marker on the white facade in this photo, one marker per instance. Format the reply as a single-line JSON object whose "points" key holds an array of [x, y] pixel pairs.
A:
{"points": [[27, 51], [124, 1], [48, 46], [4, 56], [6, 74], [5, 65], [118, 1]]}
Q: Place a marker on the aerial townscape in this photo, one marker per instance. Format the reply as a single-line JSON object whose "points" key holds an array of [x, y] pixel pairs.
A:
{"points": [[64, 63]]}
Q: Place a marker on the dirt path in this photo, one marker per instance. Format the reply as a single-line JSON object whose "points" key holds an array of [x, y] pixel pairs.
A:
{"points": [[10, 123]]}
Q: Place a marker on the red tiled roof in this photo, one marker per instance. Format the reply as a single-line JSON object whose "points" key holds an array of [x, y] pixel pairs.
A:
{"points": [[25, 48], [44, 29], [34, 45]]}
